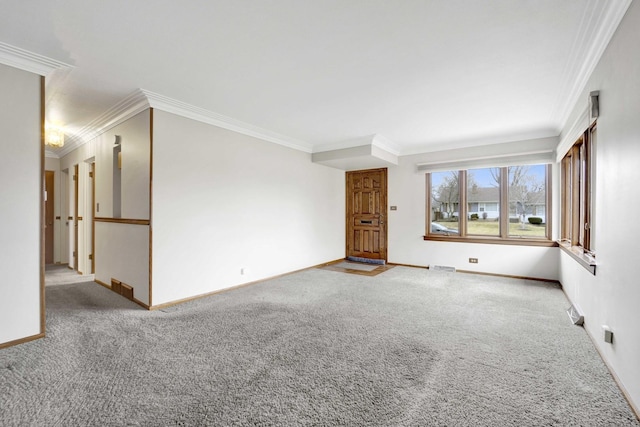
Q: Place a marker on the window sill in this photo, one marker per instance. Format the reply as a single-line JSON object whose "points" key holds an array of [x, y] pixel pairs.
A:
{"points": [[493, 240], [577, 253]]}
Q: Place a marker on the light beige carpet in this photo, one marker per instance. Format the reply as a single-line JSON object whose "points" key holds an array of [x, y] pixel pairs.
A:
{"points": [[357, 266], [409, 347], [61, 274]]}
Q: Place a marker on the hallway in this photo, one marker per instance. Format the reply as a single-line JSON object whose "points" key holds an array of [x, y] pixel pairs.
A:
{"points": [[61, 274]]}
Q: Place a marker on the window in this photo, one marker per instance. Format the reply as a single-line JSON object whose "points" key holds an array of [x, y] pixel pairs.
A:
{"points": [[483, 191], [527, 201], [490, 205], [577, 170], [445, 200]]}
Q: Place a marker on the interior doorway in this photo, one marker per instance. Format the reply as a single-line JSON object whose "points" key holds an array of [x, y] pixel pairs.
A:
{"points": [[75, 217], [49, 215], [91, 211], [366, 214]]}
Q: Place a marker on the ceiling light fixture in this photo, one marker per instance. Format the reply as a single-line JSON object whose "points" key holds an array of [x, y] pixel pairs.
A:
{"points": [[53, 135]]}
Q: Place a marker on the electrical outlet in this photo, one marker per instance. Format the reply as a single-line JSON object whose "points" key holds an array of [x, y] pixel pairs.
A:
{"points": [[473, 260], [608, 334]]}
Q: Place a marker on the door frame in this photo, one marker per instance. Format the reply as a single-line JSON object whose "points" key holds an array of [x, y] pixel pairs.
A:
{"points": [[92, 178], [76, 211], [50, 215], [383, 211]]}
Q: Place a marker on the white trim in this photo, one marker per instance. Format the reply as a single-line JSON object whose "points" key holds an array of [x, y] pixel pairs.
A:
{"points": [[183, 109], [611, 17], [29, 61], [141, 99], [50, 154], [122, 111], [579, 125]]}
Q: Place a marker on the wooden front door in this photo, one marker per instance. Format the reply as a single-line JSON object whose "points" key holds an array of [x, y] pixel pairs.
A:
{"points": [[48, 216], [366, 214]]}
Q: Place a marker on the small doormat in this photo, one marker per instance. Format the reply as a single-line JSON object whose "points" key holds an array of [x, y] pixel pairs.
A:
{"points": [[366, 260], [357, 268]]}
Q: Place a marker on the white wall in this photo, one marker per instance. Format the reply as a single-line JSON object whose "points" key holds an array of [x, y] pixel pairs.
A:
{"points": [[223, 201], [20, 204], [122, 253], [135, 136], [407, 226], [612, 296], [121, 250], [135, 144]]}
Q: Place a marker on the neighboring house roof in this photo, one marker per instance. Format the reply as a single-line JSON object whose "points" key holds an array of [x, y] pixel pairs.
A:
{"points": [[483, 195], [492, 195]]}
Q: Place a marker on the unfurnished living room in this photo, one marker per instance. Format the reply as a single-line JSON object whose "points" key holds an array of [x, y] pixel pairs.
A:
{"points": [[337, 213]]}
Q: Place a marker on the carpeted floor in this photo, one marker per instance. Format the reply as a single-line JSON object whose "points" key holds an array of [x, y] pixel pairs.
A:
{"points": [[407, 347], [61, 274]]}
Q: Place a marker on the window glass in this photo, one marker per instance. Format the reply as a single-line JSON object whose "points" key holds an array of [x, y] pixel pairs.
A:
{"points": [[483, 201], [578, 168], [445, 199], [527, 201], [490, 204]]}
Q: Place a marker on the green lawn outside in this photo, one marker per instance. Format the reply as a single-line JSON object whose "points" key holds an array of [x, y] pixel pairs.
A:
{"points": [[492, 228]]}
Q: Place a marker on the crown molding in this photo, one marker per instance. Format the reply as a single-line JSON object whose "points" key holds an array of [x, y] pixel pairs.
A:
{"points": [[29, 61], [189, 111], [141, 99], [133, 104], [571, 135], [597, 29], [50, 154]]}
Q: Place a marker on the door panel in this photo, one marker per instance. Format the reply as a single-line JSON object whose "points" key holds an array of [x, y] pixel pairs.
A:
{"points": [[366, 208]]}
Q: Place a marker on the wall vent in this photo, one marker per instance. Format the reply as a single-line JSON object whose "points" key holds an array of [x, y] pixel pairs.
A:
{"points": [[443, 268], [122, 288], [574, 314]]}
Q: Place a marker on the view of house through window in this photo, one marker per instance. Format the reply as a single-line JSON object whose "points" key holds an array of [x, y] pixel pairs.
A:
{"points": [[483, 200], [505, 202], [527, 201], [445, 199]]}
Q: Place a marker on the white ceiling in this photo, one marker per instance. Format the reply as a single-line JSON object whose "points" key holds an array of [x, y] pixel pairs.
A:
{"points": [[425, 75]]}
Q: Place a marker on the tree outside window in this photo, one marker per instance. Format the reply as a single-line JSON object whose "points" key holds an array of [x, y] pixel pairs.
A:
{"points": [[445, 200], [490, 204], [527, 196]]}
